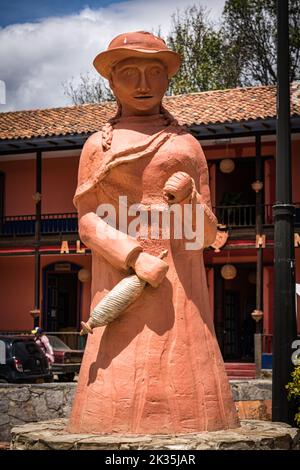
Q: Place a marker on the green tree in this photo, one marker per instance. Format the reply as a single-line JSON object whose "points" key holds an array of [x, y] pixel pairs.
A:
{"points": [[293, 389], [241, 51], [207, 56], [250, 26]]}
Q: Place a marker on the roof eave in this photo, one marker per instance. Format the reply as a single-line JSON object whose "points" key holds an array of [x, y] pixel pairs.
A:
{"points": [[43, 144], [233, 129], [237, 129]]}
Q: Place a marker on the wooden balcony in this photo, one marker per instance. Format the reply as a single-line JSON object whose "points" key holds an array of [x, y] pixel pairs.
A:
{"points": [[234, 217], [244, 216], [51, 224]]}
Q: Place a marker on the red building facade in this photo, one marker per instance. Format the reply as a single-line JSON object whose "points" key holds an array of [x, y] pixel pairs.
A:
{"points": [[42, 259]]}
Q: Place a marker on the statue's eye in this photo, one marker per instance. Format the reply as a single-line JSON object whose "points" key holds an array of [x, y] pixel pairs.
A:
{"points": [[129, 72], [155, 71]]}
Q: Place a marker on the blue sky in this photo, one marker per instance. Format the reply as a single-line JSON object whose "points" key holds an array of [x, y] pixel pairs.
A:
{"points": [[22, 11], [45, 44]]}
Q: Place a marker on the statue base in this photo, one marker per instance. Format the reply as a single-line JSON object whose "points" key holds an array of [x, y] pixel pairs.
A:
{"points": [[252, 435]]}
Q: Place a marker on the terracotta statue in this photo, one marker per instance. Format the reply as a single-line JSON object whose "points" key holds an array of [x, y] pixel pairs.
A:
{"points": [[157, 368]]}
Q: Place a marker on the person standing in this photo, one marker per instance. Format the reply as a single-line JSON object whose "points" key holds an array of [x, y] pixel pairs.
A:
{"points": [[43, 342]]}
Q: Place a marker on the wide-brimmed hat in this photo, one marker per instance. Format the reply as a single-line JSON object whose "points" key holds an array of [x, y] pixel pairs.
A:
{"points": [[136, 44]]}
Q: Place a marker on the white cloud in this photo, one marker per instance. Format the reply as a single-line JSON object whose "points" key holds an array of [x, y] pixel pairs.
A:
{"points": [[35, 58]]}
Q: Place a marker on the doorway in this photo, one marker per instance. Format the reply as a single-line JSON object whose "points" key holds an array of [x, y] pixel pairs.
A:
{"points": [[62, 297], [235, 188], [234, 301], [235, 198]]}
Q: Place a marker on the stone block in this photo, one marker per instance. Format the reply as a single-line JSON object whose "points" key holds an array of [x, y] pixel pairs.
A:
{"points": [[252, 435]]}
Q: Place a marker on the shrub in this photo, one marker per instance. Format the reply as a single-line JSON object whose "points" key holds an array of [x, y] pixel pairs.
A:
{"points": [[293, 389]]}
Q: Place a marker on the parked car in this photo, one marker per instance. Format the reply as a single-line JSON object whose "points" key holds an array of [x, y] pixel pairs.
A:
{"points": [[67, 361], [22, 360]]}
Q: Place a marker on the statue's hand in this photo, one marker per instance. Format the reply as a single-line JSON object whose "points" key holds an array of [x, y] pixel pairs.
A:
{"points": [[178, 187], [149, 268]]}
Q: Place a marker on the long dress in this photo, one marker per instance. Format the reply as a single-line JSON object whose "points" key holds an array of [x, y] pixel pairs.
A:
{"points": [[157, 369]]}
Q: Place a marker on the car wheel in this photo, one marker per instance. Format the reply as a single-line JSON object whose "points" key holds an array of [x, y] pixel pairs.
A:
{"points": [[66, 377]]}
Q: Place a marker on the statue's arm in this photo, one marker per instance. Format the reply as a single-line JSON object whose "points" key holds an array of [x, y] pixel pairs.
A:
{"points": [[119, 249], [116, 247], [94, 232]]}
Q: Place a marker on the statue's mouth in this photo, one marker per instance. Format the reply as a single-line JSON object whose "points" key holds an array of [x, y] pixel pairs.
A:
{"points": [[143, 97]]}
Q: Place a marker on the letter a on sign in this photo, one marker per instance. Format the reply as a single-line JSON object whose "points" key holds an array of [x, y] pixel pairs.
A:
{"points": [[64, 247]]}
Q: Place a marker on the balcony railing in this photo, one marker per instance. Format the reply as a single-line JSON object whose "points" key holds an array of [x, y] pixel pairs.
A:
{"points": [[244, 215], [22, 225], [236, 216], [53, 224]]}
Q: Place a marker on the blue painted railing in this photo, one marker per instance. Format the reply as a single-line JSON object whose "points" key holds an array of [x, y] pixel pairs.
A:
{"points": [[22, 225], [231, 216]]}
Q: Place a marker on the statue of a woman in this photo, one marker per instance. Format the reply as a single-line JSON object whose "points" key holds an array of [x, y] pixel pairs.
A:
{"points": [[157, 369]]}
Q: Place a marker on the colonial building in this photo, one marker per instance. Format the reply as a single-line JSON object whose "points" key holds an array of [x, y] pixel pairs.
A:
{"points": [[44, 268]]}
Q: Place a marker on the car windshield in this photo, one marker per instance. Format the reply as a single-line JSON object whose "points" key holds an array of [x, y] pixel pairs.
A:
{"points": [[23, 349], [58, 344]]}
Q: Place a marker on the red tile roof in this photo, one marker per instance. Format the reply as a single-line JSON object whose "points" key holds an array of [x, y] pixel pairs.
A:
{"points": [[211, 107]]}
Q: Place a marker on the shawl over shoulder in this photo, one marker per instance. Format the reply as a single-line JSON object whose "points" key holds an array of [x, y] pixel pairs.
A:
{"points": [[95, 163]]}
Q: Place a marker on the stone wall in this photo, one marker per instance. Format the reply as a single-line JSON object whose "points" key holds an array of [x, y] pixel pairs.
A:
{"points": [[251, 435], [26, 403]]}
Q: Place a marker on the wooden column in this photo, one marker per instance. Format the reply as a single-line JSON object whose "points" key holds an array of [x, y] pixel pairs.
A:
{"points": [[37, 237], [258, 224], [259, 260]]}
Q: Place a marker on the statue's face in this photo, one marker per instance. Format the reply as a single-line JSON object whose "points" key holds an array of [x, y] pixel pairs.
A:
{"points": [[139, 84]]}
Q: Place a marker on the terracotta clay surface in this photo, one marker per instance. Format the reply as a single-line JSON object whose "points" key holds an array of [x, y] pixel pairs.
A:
{"points": [[158, 367]]}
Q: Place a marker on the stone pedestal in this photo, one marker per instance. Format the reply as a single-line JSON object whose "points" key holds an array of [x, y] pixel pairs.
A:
{"points": [[252, 435]]}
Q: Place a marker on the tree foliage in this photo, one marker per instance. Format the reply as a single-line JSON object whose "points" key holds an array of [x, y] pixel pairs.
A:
{"points": [[293, 389], [251, 27], [89, 90], [239, 52], [204, 53]]}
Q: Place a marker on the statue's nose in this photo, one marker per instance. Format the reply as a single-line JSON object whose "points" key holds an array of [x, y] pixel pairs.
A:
{"points": [[143, 85]]}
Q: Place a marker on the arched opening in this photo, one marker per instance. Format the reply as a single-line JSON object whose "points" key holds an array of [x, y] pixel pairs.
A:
{"points": [[234, 301], [62, 293]]}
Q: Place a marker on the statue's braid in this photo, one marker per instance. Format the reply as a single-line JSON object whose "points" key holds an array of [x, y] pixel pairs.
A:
{"points": [[107, 134], [108, 129]]}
